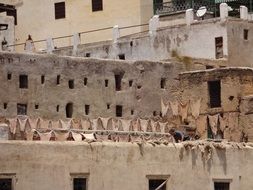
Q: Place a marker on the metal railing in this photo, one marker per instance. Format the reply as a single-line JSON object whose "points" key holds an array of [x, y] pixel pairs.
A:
{"points": [[211, 5], [82, 34]]}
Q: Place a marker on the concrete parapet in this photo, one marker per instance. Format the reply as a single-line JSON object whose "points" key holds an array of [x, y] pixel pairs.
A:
{"points": [[223, 10], [244, 12], [116, 33], [153, 25], [189, 16]]}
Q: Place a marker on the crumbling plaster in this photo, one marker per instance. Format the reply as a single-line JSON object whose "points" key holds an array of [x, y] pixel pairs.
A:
{"points": [[114, 165], [144, 97], [185, 40]]}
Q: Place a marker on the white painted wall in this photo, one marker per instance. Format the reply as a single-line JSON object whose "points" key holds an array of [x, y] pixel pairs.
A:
{"points": [[38, 19]]}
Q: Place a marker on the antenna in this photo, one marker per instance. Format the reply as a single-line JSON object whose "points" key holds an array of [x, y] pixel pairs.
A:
{"points": [[201, 12]]}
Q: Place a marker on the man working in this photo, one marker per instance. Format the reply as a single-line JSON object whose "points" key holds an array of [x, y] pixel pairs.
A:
{"points": [[178, 135]]}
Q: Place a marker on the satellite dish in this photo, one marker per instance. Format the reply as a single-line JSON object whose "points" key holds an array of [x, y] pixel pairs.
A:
{"points": [[201, 11], [230, 8]]}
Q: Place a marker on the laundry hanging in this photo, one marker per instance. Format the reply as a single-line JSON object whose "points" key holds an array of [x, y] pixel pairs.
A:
{"points": [[43, 124], [183, 110], [90, 136], [87, 125], [105, 122], [76, 136], [123, 138], [33, 123], [149, 126], [94, 123], [144, 124], [22, 123], [110, 125], [195, 108], [29, 135], [201, 124], [45, 136], [61, 135], [126, 123], [65, 124], [174, 108], [55, 124], [75, 123], [13, 125], [135, 125], [213, 122], [162, 127], [164, 108], [224, 122]]}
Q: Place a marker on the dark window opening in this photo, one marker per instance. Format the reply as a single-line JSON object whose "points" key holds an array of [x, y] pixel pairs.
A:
{"points": [[108, 106], [23, 81], [132, 112], [163, 83], [139, 86], [58, 79], [59, 10], [85, 81], [87, 55], [42, 79], [69, 110], [87, 109], [36, 106], [97, 5], [209, 67], [130, 83], [79, 183], [106, 82], [119, 110], [5, 106], [6, 184], [154, 113], [22, 109], [155, 183], [214, 88], [118, 78], [221, 186], [131, 43], [10, 11], [245, 34], [9, 76], [71, 84], [122, 56], [57, 108], [219, 47]]}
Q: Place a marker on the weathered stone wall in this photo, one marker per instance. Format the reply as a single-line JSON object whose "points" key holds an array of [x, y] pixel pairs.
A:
{"points": [[236, 84], [239, 49], [123, 166], [197, 40], [141, 99]]}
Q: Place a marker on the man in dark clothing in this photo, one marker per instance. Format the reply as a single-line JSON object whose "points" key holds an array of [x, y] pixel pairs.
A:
{"points": [[178, 135]]}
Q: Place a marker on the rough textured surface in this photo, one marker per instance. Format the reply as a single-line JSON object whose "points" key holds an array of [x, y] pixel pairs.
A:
{"points": [[125, 165], [184, 40], [236, 90], [143, 97]]}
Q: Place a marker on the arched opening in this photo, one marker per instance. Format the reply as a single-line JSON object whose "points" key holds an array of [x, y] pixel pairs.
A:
{"points": [[69, 110]]}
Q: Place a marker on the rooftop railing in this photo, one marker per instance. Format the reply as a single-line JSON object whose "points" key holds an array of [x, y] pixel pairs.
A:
{"points": [[66, 40], [212, 6]]}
